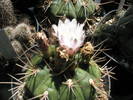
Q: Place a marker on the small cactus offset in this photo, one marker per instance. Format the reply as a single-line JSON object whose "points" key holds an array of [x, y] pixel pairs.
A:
{"points": [[19, 36], [63, 71]]}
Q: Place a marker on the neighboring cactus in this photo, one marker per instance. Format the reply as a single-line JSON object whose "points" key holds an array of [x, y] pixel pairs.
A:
{"points": [[19, 36], [64, 71], [21, 32], [17, 47], [7, 16], [73, 8]]}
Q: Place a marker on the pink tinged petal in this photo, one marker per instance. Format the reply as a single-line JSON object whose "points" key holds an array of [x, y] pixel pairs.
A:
{"points": [[74, 45]]}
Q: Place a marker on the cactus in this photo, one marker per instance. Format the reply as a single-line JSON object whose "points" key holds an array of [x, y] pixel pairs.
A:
{"points": [[21, 30], [19, 36], [7, 16], [73, 8], [60, 72], [78, 86]]}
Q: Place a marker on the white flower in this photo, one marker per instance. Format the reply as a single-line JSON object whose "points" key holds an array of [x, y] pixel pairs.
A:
{"points": [[70, 34]]}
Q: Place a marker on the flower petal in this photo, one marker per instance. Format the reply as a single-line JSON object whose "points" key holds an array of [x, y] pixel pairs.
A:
{"points": [[55, 30], [70, 34], [67, 21]]}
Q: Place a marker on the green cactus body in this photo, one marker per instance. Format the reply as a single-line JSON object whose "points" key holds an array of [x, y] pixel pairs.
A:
{"points": [[36, 59], [78, 88], [83, 77], [42, 82], [61, 8], [49, 79], [74, 9], [73, 92], [94, 69], [51, 51], [84, 8], [34, 81]]}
